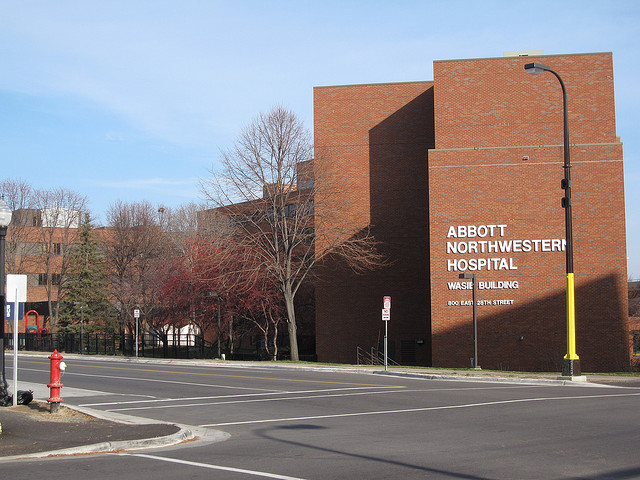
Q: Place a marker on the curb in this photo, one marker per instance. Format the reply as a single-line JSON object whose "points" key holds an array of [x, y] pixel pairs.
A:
{"points": [[360, 369], [110, 447], [487, 379], [184, 435]]}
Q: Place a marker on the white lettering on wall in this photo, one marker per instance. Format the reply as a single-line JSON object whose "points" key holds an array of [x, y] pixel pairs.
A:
{"points": [[470, 231], [480, 303], [494, 247], [501, 285]]}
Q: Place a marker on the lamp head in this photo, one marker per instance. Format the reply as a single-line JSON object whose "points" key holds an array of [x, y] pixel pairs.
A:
{"points": [[5, 213], [467, 275], [536, 68]]}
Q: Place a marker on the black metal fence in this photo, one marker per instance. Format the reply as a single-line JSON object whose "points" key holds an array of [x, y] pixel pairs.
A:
{"points": [[149, 345]]}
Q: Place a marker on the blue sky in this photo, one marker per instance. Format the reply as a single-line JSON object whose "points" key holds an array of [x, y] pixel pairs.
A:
{"points": [[134, 100]]}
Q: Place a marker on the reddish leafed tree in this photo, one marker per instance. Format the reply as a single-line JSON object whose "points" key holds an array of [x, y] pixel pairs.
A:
{"points": [[208, 274], [189, 286], [260, 305]]}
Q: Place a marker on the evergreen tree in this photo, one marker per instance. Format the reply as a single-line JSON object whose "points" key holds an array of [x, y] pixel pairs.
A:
{"points": [[86, 296]]}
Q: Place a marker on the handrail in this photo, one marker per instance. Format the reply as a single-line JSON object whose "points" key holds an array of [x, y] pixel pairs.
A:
{"points": [[374, 357]]}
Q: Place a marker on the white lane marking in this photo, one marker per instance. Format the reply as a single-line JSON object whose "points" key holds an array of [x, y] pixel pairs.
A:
{"points": [[211, 397], [413, 410], [183, 405], [173, 382], [213, 467], [297, 392], [334, 395], [41, 391]]}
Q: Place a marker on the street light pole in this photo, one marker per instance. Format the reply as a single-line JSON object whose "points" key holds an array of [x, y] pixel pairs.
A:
{"points": [[219, 327], [5, 219], [472, 276], [571, 361]]}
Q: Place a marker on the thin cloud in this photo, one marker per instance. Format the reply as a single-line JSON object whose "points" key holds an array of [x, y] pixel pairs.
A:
{"points": [[139, 183]]}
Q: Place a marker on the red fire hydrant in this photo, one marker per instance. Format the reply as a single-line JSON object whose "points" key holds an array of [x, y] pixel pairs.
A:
{"points": [[55, 384]]}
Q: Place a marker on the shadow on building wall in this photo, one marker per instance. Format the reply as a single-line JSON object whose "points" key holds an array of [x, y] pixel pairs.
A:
{"points": [[351, 303], [520, 338], [399, 199]]}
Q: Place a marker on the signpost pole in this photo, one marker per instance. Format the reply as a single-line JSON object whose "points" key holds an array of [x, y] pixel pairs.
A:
{"points": [[136, 314], [386, 316], [15, 350], [385, 346], [16, 293]]}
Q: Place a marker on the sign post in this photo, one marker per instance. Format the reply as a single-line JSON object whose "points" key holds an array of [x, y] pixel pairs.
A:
{"points": [[17, 294], [136, 315], [386, 316]]}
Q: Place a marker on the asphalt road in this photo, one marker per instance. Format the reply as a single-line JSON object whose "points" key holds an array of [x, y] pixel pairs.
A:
{"points": [[298, 424]]}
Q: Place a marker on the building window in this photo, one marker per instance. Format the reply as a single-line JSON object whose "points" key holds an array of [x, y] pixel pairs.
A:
{"points": [[290, 210], [56, 278]]}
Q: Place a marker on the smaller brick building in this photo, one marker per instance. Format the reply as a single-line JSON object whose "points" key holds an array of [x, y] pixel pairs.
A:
{"points": [[462, 174], [39, 246]]}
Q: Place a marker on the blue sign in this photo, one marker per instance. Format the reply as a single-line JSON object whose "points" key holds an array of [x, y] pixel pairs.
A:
{"points": [[10, 310]]}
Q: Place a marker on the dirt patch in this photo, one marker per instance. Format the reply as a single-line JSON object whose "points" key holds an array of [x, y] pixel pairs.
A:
{"points": [[42, 412]]}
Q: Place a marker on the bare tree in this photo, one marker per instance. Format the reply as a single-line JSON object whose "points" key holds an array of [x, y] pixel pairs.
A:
{"points": [[23, 245], [268, 185], [182, 230], [134, 248], [59, 215]]}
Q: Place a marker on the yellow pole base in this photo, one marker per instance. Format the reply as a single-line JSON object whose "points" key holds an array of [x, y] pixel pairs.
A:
{"points": [[571, 319]]}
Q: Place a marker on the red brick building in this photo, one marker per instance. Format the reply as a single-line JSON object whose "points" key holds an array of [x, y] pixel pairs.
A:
{"points": [[463, 174]]}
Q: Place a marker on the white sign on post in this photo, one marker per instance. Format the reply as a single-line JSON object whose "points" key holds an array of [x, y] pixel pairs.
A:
{"points": [[16, 288], [136, 315], [386, 302], [386, 316]]}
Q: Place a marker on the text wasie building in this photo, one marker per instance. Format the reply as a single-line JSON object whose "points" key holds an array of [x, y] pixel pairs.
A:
{"points": [[463, 175]]}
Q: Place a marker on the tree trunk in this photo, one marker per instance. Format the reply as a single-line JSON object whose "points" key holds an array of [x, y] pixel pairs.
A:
{"points": [[265, 333], [52, 323], [231, 349], [293, 328], [275, 341]]}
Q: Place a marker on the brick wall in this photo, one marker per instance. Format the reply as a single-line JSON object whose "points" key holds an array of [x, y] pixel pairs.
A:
{"points": [[480, 145], [498, 161], [374, 140]]}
